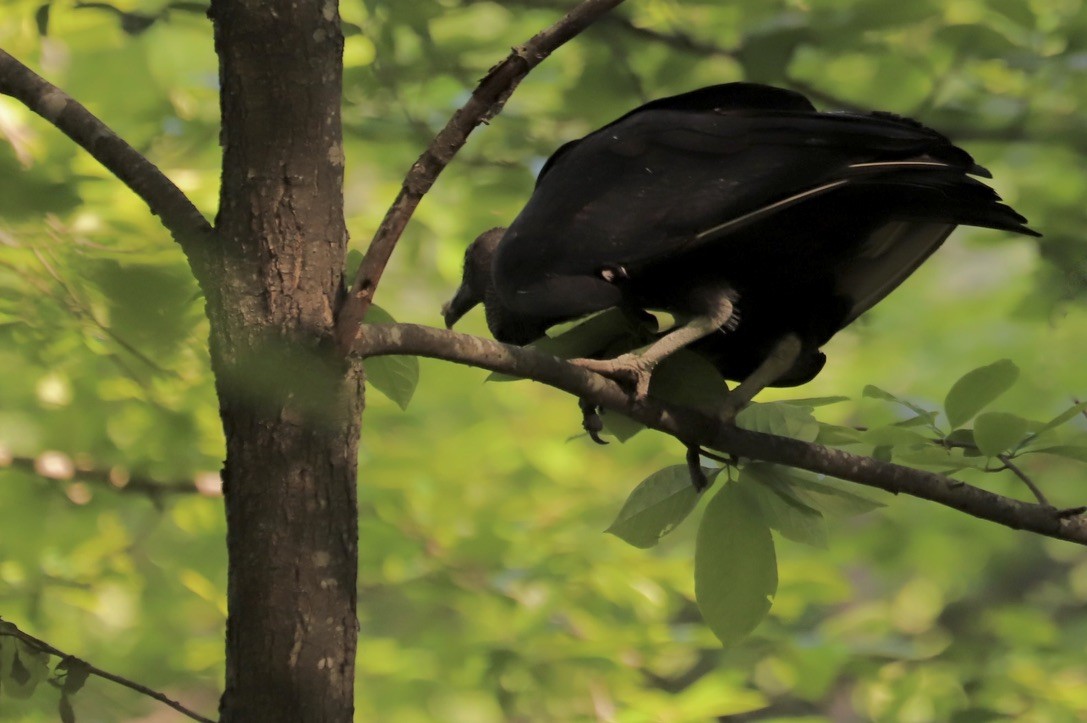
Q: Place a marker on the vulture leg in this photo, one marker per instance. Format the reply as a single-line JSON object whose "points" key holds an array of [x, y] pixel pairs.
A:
{"points": [[635, 368], [780, 360]]}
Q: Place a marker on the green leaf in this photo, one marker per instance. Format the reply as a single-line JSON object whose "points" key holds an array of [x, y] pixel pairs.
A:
{"points": [[825, 497], [873, 392], [396, 376], [587, 337], [41, 18], [26, 668], [978, 388], [781, 508], [1065, 416], [735, 565], [591, 337], [815, 401], [779, 418], [996, 432], [835, 435], [619, 425], [655, 507], [351, 267], [1070, 451]]}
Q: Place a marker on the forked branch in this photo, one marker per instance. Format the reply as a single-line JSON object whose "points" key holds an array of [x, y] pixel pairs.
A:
{"points": [[485, 103]]}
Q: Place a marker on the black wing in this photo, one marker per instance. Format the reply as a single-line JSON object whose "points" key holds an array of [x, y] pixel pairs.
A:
{"points": [[665, 180]]}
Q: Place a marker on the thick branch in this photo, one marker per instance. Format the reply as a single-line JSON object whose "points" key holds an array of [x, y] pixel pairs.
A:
{"points": [[73, 663], [486, 102], [180, 217], [693, 427]]}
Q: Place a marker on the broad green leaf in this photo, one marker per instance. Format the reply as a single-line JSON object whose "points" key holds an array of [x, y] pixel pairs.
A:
{"points": [[595, 336], [779, 418], [825, 497], [996, 432], [351, 267], [978, 388], [781, 508], [1066, 416], [655, 507], [735, 564], [588, 337], [396, 375]]}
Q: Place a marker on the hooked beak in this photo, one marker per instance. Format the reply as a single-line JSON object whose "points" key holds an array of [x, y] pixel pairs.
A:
{"points": [[462, 302]]}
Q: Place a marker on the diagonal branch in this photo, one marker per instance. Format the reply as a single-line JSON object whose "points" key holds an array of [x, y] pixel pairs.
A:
{"points": [[180, 217], [696, 428], [486, 102], [72, 663]]}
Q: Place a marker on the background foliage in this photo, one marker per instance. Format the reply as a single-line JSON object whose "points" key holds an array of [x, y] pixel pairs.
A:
{"points": [[489, 592]]}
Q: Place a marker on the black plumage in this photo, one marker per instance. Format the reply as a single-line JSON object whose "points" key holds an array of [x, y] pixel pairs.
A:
{"points": [[738, 203]]}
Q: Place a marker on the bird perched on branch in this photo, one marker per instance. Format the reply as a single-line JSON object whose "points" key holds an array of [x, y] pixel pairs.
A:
{"points": [[766, 224]]}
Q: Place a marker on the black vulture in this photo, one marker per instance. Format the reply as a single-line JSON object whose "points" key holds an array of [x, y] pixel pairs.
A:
{"points": [[765, 223]]}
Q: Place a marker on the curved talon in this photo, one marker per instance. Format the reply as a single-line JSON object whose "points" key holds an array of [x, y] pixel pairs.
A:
{"points": [[591, 421]]}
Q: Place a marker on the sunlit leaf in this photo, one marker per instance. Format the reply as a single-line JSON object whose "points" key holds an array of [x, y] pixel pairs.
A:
{"points": [[785, 420], [395, 375], [656, 507]]}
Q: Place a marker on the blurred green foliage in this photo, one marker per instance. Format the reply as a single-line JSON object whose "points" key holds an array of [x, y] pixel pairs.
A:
{"points": [[487, 589]]}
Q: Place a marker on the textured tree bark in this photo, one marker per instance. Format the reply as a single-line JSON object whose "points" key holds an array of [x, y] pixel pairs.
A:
{"points": [[290, 406]]}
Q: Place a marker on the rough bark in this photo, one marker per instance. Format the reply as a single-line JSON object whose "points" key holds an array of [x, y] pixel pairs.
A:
{"points": [[290, 406]]}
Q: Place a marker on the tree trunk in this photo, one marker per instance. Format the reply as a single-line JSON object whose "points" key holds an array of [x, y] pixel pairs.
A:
{"points": [[290, 407]]}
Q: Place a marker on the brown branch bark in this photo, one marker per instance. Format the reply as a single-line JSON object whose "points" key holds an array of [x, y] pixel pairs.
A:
{"points": [[180, 217], [8, 628], [107, 479], [486, 102], [693, 427]]}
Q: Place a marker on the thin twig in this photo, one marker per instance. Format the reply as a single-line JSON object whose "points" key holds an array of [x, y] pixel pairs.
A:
{"points": [[485, 103], [694, 427], [8, 628], [106, 479], [1014, 468], [178, 214]]}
